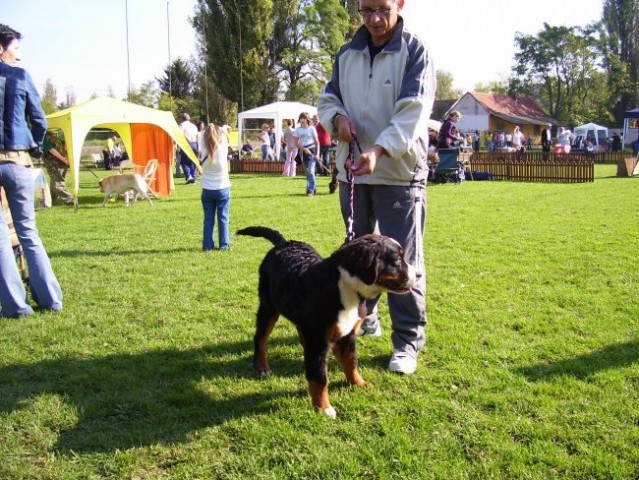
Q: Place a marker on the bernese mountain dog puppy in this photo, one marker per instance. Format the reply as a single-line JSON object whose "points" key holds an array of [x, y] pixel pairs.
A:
{"points": [[324, 298]]}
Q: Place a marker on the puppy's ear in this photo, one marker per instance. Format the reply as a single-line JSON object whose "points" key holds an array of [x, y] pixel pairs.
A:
{"points": [[361, 259]]}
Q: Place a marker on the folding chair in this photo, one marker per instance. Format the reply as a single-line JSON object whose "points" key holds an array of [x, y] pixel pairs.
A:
{"points": [[149, 174], [15, 242], [448, 169]]}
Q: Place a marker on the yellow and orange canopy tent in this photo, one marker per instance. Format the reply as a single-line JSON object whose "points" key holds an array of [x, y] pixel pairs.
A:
{"points": [[146, 133]]}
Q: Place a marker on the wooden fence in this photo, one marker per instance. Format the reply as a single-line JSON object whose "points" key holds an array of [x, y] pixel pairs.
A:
{"points": [[528, 167], [535, 166], [256, 166]]}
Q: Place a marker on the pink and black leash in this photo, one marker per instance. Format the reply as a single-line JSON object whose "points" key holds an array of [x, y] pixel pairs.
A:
{"points": [[350, 160]]}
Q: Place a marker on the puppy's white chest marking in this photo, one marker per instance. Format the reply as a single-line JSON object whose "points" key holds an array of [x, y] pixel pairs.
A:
{"points": [[348, 316], [346, 320]]}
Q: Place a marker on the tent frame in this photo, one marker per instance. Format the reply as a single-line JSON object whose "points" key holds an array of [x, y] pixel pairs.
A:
{"points": [[630, 114], [278, 112], [117, 115]]}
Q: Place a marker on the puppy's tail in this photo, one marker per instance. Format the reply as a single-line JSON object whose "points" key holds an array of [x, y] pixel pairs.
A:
{"points": [[275, 237]]}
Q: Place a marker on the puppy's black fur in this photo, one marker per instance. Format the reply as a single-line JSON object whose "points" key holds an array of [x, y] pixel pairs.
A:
{"points": [[322, 298]]}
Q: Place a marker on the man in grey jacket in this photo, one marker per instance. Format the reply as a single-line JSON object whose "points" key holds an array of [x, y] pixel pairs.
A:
{"points": [[382, 90]]}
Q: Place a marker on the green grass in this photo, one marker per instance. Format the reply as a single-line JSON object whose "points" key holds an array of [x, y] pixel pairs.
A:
{"points": [[530, 369]]}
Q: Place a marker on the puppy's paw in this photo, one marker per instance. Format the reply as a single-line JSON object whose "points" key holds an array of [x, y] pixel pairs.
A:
{"points": [[330, 412], [263, 373]]}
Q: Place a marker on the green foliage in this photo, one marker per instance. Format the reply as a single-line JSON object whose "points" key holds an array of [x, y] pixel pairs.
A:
{"points": [[233, 36], [146, 95], [177, 79], [621, 52], [445, 90], [500, 87], [559, 64], [49, 97], [178, 106], [273, 48], [530, 369], [48, 107]]}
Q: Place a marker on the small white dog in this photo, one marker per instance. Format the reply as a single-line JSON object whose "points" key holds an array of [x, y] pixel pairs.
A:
{"points": [[125, 184]]}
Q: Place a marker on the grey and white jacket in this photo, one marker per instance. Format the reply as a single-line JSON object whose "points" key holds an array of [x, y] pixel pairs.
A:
{"points": [[389, 100]]}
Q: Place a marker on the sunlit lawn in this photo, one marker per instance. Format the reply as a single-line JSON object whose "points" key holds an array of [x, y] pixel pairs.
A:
{"points": [[530, 370]]}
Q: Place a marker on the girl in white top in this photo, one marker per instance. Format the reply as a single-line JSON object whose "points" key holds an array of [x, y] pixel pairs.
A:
{"points": [[265, 140], [216, 186], [308, 144]]}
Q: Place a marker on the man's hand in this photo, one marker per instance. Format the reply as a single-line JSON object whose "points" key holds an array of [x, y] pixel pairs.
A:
{"points": [[367, 161], [345, 127]]}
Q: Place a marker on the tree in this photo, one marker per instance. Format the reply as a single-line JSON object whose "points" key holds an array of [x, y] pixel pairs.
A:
{"points": [[306, 38], [621, 52], [49, 97], [146, 95], [499, 87], [557, 67], [354, 19], [177, 79], [287, 51], [233, 37], [445, 90]]}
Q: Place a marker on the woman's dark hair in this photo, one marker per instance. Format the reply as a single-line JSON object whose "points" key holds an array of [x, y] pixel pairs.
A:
{"points": [[8, 35]]}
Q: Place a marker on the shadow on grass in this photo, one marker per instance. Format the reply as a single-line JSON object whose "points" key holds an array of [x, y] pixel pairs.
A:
{"points": [[109, 253], [124, 401], [581, 367]]}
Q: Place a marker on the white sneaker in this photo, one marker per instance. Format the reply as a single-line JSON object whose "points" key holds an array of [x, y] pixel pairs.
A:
{"points": [[369, 331], [402, 362]]}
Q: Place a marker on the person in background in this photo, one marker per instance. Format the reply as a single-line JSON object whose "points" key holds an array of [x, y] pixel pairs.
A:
{"points": [[290, 164], [271, 141], [216, 187], [490, 141], [563, 141], [108, 152], [23, 129], [247, 150], [117, 154], [189, 130], [546, 138], [325, 143], [382, 90], [517, 139], [616, 143], [200, 131], [448, 136], [265, 143], [55, 160], [476, 141], [307, 145]]}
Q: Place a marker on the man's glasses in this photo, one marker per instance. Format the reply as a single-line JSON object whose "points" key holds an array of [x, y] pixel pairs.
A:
{"points": [[368, 12]]}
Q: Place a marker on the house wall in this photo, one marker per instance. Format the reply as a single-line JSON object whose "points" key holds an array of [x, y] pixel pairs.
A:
{"points": [[474, 115]]}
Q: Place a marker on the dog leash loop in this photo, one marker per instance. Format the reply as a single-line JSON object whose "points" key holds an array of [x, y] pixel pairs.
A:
{"points": [[350, 232]]}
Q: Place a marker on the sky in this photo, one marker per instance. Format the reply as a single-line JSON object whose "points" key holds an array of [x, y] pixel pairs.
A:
{"points": [[82, 44]]}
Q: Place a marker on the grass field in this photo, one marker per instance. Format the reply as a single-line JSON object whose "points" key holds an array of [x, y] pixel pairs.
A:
{"points": [[530, 369]]}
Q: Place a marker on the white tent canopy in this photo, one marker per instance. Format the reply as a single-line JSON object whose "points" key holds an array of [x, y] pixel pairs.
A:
{"points": [[597, 133], [630, 120], [278, 112]]}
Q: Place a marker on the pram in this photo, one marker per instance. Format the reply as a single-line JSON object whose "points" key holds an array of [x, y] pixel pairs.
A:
{"points": [[15, 243]]}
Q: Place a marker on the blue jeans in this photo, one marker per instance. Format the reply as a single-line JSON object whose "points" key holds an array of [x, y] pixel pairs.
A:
{"points": [[325, 159], [45, 289], [189, 168], [267, 154], [216, 202], [309, 165]]}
